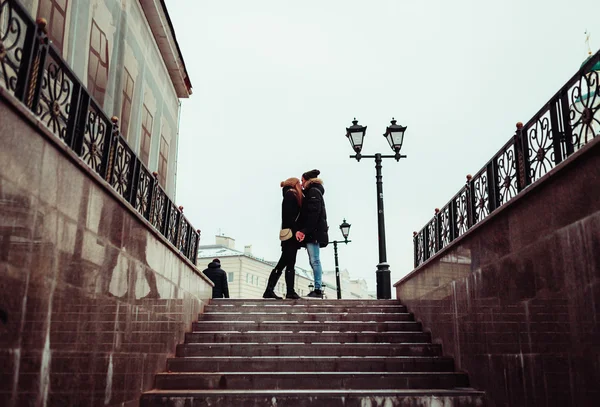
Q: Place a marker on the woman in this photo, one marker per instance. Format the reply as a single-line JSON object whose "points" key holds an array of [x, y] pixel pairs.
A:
{"points": [[290, 210]]}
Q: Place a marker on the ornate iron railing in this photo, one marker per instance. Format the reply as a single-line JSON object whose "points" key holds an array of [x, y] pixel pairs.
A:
{"points": [[562, 126], [32, 69]]}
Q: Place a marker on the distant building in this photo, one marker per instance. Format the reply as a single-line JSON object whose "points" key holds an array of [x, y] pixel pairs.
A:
{"points": [[126, 54], [248, 274]]}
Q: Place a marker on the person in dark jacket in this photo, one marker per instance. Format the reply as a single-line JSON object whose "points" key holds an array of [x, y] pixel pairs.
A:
{"points": [[219, 277], [290, 211], [313, 232]]}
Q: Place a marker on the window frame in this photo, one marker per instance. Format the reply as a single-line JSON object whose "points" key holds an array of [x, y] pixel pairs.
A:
{"points": [[127, 98], [97, 91], [146, 135]]}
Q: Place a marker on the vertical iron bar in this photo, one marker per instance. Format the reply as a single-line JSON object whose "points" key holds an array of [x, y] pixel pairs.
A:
{"points": [[438, 230], [556, 133], [525, 149], [471, 213], [29, 52], [426, 242], [34, 86], [166, 214], [188, 240], [493, 185], [135, 180], [177, 228], [453, 219], [416, 249], [73, 119], [568, 133], [111, 148], [519, 158], [83, 107], [148, 214]]}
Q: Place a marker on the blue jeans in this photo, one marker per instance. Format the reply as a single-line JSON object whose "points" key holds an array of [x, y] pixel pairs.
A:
{"points": [[314, 251]]}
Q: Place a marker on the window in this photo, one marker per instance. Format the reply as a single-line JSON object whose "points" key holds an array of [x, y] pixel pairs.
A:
{"points": [[162, 161], [247, 277], [55, 12], [147, 120], [230, 277], [98, 63], [128, 85]]}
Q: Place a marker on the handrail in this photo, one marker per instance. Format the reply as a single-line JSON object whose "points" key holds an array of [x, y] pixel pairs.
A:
{"points": [[562, 126], [32, 69]]}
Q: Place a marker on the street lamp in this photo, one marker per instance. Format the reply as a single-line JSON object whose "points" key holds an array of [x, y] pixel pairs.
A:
{"points": [[345, 228], [394, 134]]}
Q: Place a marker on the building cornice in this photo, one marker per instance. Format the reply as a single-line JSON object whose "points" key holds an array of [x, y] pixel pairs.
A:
{"points": [[164, 35]]}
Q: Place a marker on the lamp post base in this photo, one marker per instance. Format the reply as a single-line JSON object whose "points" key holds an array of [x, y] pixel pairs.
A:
{"points": [[384, 284]]}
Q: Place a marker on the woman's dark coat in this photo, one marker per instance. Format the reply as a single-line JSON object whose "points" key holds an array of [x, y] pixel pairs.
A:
{"points": [[289, 214]]}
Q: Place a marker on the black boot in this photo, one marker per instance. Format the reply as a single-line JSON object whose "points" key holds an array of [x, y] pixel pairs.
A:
{"points": [[316, 293], [270, 291], [290, 276]]}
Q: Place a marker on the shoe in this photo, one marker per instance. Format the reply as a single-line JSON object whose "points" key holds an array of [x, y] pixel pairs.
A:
{"points": [[315, 294], [292, 296], [271, 294]]}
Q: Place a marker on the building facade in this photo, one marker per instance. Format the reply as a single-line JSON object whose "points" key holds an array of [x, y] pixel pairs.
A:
{"points": [[248, 274], [125, 52]]}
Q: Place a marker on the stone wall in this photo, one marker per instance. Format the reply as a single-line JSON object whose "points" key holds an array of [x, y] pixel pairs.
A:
{"points": [[93, 299], [516, 300]]}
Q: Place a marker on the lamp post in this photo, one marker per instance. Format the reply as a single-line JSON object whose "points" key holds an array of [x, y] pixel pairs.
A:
{"points": [[394, 134], [345, 228]]}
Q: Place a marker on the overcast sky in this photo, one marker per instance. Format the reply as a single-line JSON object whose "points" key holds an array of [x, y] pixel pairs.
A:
{"points": [[276, 82]]}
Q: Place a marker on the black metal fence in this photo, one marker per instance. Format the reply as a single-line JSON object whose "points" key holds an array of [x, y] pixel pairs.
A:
{"points": [[562, 126], [32, 70]]}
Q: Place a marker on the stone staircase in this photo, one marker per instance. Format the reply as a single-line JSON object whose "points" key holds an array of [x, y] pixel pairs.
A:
{"points": [[330, 353]]}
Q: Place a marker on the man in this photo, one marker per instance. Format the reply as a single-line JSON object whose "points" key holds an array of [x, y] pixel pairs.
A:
{"points": [[313, 225], [219, 277]]}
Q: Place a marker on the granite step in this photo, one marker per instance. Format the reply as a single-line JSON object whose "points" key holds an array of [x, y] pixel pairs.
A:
{"points": [[307, 306], [314, 398], [317, 326], [322, 349], [307, 337], [305, 316], [292, 380], [269, 301], [312, 364]]}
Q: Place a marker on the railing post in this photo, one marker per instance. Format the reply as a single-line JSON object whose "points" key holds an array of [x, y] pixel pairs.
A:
{"points": [[426, 253], [150, 207], [416, 249], [135, 180], [108, 166], [519, 159], [73, 119], [566, 120], [165, 221], [492, 185], [556, 133], [453, 219], [524, 164], [29, 51], [195, 261], [83, 106], [36, 75], [178, 220], [438, 230], [471, 214]]}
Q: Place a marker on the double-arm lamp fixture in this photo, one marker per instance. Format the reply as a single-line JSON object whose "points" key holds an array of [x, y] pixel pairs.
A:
{"points": [[345, 228], [394, 134]]}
